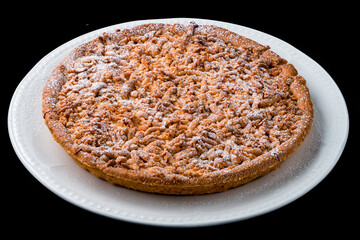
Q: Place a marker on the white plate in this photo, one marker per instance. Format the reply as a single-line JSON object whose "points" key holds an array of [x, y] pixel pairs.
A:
{"points": [[49, 163]]}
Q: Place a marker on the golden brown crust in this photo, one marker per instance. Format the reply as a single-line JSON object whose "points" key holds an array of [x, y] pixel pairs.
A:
{"points": [[216, 163]]}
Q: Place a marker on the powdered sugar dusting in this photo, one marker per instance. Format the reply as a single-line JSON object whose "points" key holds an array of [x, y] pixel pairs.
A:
{"points": [[177, 100]]}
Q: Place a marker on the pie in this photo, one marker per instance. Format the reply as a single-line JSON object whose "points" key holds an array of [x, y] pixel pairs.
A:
{"points": [[177, 109]]}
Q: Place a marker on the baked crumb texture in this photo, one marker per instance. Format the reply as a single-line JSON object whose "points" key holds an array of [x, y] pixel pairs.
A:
{"points": [[177, 109]]}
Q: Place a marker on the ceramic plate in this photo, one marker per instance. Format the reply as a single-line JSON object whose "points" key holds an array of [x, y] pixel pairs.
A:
{"points": [[50, 164]]}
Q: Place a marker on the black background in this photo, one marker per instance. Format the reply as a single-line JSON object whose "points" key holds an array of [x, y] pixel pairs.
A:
{"points": [[328, 34]]}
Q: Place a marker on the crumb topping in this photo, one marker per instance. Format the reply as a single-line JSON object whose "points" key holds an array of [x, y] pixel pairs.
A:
{"points": [[177, 100]]}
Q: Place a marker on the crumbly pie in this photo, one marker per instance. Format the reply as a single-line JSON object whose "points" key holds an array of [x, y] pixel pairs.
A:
{"points": [[177, 109]]}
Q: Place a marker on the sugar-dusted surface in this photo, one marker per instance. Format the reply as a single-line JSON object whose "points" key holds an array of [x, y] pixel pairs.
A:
{"points": [[47, 161], [176, 99]]}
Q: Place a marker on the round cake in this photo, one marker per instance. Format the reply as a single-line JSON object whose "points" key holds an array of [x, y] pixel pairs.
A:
{"points": [[177, 109]]}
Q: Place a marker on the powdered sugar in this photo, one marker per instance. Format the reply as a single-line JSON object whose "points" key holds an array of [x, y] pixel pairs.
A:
{"points": [[209, 105]]}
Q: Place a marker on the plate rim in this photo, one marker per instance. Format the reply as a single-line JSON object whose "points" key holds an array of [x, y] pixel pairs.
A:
{"points": [[44, 182]]}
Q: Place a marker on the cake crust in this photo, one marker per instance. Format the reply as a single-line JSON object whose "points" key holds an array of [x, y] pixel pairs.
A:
{"points": [[177, 109]]}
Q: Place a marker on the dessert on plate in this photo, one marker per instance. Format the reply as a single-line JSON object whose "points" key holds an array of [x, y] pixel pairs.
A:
{"points": [[177, 109]]}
